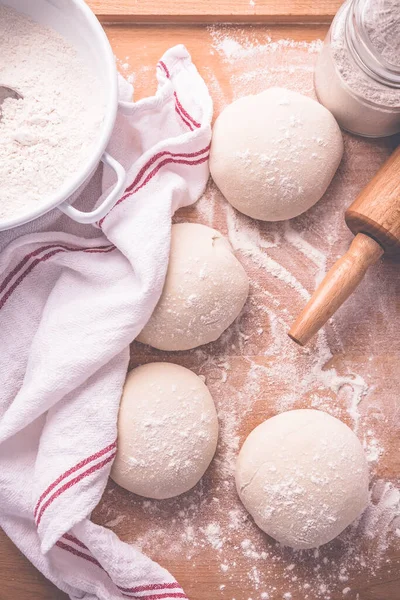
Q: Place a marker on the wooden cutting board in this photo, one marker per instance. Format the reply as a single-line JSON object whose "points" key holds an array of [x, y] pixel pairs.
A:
{"points": [[204, 537]]}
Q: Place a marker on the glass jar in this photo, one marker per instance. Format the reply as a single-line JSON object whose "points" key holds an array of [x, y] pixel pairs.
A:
{"points": [[357, 75]]}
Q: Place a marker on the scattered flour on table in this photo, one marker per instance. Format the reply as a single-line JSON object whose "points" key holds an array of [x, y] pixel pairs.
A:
{"points": [[46, 136], [126, 70], [115, 522], [254, 369], [233, 50]]}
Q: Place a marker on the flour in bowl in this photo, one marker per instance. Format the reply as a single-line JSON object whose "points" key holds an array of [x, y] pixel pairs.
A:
{"points": [[46, 137]]}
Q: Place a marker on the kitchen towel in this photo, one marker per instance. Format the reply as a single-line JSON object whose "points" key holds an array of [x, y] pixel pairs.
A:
{"points": [[72, 298]]}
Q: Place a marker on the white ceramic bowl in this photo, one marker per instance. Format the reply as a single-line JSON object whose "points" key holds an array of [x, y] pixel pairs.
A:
{"points": [[74, 20]]}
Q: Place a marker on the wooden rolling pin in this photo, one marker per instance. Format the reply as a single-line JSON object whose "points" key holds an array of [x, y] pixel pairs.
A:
{"points": [[374, 218]]}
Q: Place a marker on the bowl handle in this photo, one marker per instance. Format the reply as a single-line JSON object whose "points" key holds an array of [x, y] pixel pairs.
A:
{"points": [[99, 212]]}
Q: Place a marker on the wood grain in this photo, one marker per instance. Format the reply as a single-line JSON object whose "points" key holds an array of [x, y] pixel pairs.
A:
{"points": [[376, 210], [209, 11], [340, 282], [20, 579], [357, 350], [143, 45]]}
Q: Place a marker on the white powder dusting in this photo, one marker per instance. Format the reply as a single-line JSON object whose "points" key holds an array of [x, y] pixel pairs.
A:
{"points": [[233, 49], [213, 535], [125, 69], [254, 371], [115, 522], [47, 135], [382, 26], [360, 101]]}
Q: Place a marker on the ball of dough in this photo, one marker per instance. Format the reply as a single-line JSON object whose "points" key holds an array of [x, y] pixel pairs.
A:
{"points": [[303, 477], [273, 155], [205, 290], [167, 431]]}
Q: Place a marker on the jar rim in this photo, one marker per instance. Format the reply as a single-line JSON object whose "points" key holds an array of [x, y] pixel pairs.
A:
{"points": [[364, 52], [360, 98]]}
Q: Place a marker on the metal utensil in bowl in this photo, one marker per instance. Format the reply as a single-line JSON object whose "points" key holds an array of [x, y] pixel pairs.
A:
{"points": [[8, 92], [75, 21]]}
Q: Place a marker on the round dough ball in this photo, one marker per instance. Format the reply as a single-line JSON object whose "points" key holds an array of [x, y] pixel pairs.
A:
{"points": [[303, 477], [167, 431], [205, 289], [273, 155]]}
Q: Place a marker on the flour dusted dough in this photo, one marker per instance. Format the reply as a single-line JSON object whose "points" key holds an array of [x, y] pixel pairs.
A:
{"points": [[273, 155], [303, 477], [167, 431], [205, 290]]}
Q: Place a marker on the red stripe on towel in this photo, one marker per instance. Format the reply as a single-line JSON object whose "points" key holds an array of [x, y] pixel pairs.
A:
{"points": [[183, 118], [34, 253], [73, 469], [178, 106], [185, 113], [164, 67], [70, 484], [72, 538], [154, 159], [42, 259], [78, 553], [151, 175], [134, 590], [152, 588], [159, 596]]}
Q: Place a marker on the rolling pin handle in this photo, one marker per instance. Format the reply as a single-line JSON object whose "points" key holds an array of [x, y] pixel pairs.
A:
{"points": [[340, 282]]}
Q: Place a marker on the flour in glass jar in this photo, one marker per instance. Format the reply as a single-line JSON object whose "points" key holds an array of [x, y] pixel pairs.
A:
{"points": [[46, 136], [382, 26]]}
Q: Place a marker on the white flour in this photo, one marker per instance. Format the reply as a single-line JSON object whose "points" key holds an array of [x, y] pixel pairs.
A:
{"points": [[254, 371], [47, 136], [382, 23], [384, 40], [368, 107]]}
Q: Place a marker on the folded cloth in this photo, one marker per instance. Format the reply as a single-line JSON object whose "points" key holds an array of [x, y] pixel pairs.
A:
{"points": [[72, 299]]}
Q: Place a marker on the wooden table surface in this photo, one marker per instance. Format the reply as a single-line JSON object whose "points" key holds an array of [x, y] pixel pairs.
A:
{"points": [[361, 345]]}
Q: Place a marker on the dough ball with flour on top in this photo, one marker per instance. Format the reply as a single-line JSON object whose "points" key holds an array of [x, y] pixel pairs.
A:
{"points": [[303, 477], [274, 154], [167, 431], [205, 290]]}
